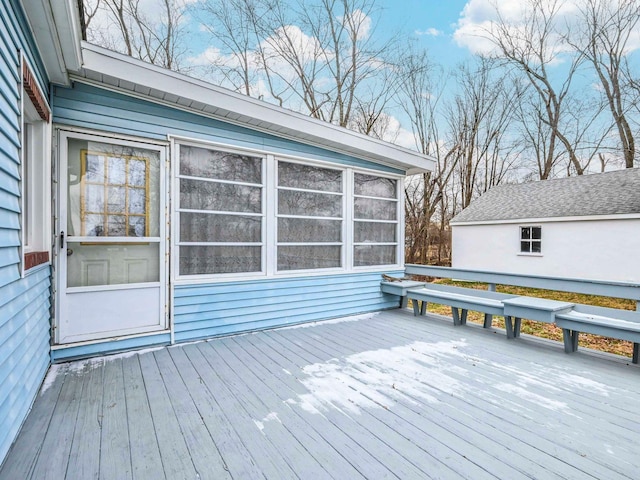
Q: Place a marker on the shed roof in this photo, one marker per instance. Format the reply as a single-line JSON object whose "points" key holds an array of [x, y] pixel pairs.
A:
{"points": [[134, 77], [610, 193]]}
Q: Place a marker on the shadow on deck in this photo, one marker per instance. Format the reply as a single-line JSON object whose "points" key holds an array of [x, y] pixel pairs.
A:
{"points": [[377, 396]]}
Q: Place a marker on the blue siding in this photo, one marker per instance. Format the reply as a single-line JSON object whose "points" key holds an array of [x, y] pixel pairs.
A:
{"points": [[91, 107], [202, 311], [24, 303]]}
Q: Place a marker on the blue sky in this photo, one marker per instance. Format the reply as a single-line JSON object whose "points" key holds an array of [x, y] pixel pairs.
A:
{"points": [[433, 22]]}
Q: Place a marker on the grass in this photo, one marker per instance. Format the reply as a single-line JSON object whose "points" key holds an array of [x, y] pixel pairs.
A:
{"points": [[547, 330]]}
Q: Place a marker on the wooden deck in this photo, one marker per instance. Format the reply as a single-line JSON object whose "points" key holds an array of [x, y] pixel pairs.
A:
{"points": [[386, 396]]}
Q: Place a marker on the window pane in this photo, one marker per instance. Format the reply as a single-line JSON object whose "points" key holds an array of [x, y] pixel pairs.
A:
{"points": [[196, 260], [525, 246], [295, 175], [370, 209], [109, 180], [116, 170], [309, 204], [371, 186], [366, 232], [203, 227], [201, 162], [525, 233], [224, 197], [307, 230], [374, 255], [536, 233], [536, 247], [308, 257]]}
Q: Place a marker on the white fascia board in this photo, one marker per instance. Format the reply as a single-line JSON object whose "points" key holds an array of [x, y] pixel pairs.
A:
{"points": [[55, 25], [523, 221], [285, 122]]}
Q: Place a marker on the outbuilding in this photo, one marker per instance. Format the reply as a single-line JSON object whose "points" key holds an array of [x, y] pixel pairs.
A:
{"points": [[580, 227]]}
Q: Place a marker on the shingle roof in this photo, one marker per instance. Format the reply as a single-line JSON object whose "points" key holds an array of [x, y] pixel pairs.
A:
{"points": [[611, 193]]}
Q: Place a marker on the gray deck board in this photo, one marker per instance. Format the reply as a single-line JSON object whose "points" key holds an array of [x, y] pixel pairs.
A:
{"points": [[84, 458], [386, 396], [176, 459], [143, 444], [20, 463], [115, 454]]}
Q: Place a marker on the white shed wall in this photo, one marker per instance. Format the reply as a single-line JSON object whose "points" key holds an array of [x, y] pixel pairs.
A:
{"points": [[599, 249]]}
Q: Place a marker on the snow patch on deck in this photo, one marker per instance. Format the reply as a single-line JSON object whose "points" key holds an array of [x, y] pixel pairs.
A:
{"points": [[416, 373], [271, 417]]}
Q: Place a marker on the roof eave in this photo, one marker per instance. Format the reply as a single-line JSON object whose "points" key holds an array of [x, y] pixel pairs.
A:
{"points": [[56, 29], [133, 75]]}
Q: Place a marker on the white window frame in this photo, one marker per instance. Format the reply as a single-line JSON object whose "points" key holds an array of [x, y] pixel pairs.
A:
{"points": [[398, 222], [177, 244], [529, 240], [270, 216], [35, 175], [342, 218]]}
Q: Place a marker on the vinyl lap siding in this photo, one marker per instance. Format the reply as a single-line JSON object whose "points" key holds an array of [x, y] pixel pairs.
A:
{"points": [[202, 311], [24, 303], [24, 349]]}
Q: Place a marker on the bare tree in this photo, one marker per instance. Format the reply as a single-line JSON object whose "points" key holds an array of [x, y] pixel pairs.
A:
{"points": [[319, 56], [479, 120], [419, 98], [531, 47], [152, 36], [604, 42]]}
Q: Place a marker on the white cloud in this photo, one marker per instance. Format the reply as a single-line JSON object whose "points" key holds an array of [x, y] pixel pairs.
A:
{"points": [[430, 32], [480, 16], [359, 21]]}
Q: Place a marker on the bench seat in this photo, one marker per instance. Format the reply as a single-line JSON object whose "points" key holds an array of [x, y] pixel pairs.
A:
{"points": [[400, 288], [461, 300], [608, 322]]}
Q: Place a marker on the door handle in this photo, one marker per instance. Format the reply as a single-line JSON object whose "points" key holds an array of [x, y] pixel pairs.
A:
{"points": [[61, 240]]}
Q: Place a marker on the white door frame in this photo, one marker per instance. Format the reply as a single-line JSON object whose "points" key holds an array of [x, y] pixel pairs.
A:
{"points": [[61, 136]]}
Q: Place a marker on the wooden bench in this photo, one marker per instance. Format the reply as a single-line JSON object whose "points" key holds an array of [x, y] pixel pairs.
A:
{"points": [[400, 288], [609, 322], [461, 300]]}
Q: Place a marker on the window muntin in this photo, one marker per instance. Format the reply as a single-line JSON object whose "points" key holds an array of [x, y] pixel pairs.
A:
{"points": [[114, 194], [531, 239], [220, 212], [310, 214], [375, 213]]}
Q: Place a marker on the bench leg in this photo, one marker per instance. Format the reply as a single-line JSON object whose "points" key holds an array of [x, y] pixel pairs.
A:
{"points": [[416, 307], [459, 316], [404, 301], [508, 324], [423, 308], [516, 327], [488, 320], [636, 352], [570, 338]]}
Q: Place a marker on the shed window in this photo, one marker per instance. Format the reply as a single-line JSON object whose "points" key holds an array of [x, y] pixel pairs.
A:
{"points": [[310, 212], [221, 212], [375, 212], [531, 239]]}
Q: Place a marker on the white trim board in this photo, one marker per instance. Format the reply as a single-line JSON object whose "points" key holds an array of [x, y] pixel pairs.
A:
{"points": [[133, 77], [527, 221]]}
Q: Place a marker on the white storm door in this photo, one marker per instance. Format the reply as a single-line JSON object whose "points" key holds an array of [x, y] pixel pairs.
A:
{"points": [[112, 226]]}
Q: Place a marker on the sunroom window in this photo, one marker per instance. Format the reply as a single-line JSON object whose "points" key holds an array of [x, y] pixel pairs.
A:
{"points": [[221, 212], [375, 227], [310, 212]]}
